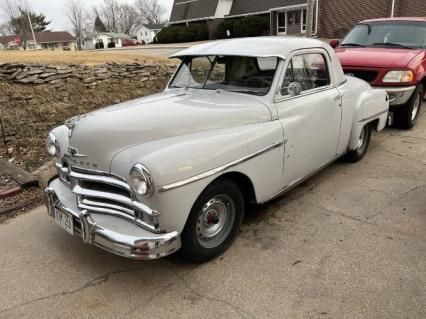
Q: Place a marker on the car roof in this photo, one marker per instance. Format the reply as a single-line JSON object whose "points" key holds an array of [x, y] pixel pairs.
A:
{"points": [[272, 46], [418, 19]]}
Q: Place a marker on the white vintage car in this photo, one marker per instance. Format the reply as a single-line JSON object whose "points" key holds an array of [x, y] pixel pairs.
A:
{"points": [[241, 121]]}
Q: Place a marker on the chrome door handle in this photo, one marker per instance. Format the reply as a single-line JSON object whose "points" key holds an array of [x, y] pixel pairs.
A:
{"points": [[340, 96]]}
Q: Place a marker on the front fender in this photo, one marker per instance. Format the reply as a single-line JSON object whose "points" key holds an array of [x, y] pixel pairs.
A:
{"points": [[372, 106], [180, 158]]}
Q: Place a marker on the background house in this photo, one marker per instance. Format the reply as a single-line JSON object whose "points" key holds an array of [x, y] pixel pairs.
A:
{"points": [[9, 43], [332, 18], [104, 39], [146, 33], [47, 40]]}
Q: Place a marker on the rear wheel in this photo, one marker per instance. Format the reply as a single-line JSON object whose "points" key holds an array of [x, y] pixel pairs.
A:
{"points": [[406, 116], [362, 146], [213, 222]]}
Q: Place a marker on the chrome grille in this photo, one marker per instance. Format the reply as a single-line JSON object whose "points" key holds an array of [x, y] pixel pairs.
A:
{"points": [[105, 193]]}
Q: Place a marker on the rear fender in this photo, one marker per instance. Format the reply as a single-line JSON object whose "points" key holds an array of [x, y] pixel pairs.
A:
{"points": [[372, 107]]}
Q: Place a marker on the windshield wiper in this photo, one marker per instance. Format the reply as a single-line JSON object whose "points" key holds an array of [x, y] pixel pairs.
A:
{"points": [[352, 45], [394, 45], [246, 91]]}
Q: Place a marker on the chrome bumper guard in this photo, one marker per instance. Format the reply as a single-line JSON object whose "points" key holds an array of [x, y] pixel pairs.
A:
{"points": [[145, 245], [398, 95]]}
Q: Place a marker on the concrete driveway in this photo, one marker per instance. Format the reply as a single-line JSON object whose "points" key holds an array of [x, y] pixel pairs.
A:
{"points": [[348, 243]]}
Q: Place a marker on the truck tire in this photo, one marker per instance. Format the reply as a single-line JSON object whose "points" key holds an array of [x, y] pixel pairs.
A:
{"points": [[406, 116], [363, 144], [213, 222]]}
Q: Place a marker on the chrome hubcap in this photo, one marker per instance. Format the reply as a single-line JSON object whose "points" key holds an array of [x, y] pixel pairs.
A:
{"points": [[361, 138], [415, 108], [215, 221]]}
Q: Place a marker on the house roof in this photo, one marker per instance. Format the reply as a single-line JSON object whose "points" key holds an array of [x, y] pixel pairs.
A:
{"points": [[184, 10], [42, 37], [6, 39], [254, 6], [50, 37], [152, 26], [116, 35]]}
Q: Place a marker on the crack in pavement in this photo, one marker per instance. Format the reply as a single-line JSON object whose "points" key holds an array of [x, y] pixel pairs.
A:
{"points": [[400, 155], [92, 283], [242, 313]]}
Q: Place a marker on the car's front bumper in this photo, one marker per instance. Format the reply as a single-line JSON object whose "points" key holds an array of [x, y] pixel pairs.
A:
{"points": [[110, 233], [398, 95]]}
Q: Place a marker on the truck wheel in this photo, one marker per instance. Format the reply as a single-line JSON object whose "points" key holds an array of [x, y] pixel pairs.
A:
{"points": [[406, 116], [213, 222], [362, 147]]}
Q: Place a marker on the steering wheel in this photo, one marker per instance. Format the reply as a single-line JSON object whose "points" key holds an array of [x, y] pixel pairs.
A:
{"points": [[257, 79]]}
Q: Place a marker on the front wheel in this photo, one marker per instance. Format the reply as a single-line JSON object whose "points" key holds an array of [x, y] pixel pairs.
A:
{"points": [[213, 222], [406, 116], [362, 146]]}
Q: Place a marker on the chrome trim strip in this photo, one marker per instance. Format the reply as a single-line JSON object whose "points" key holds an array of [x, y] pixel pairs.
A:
{"points": [[79, 190], [101, 179], [217, 170], [95, 172], [96, 204], [129, 218], [373, 116]]}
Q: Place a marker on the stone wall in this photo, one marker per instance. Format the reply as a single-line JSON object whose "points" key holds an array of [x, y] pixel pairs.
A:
{"points": [[36, 98], [57, 74]]}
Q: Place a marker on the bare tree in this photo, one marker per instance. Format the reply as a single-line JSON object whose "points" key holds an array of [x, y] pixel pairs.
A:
{"points": [[117, 16], [127, 18], [6, 29], [150, 11], [12, 8], [76, 13]]}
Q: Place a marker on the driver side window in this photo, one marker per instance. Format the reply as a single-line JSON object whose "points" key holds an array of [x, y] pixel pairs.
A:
{"points": [[309, 70]]}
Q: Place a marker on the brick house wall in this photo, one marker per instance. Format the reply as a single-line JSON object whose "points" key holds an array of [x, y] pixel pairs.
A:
{"points": [[410, 8], [338, 17]]}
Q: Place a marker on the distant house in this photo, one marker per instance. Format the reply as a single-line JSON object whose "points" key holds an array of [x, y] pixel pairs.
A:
{"points": [[104, 40], [331, 18], [47, 40], [146, 33], [9, 43]]}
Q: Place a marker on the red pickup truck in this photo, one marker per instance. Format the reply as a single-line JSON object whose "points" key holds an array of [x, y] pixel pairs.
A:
{"points": [[389, 54]]}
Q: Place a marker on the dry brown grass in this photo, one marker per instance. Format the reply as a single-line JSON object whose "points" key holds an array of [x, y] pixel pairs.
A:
{"points": [[73, 57]]}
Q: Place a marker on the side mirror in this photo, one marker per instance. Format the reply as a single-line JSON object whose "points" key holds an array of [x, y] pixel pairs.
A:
{"points": [[334, 43], [294, 89]]}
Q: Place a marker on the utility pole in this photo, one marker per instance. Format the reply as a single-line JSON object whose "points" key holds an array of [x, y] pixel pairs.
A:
{"points": [[32, 30], [309, 18], [393, 9]]}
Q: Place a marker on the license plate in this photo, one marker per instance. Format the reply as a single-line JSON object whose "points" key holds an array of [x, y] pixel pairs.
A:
{"points": [[65, 221]]}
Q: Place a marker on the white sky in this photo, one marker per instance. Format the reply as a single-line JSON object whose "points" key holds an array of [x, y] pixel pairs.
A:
{"points": [[55, 11]]}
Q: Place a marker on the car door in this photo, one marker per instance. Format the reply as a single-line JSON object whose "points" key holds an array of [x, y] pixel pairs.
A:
{"points": [[311, 120]]}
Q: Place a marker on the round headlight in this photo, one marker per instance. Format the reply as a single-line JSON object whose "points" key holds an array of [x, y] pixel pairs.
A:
{"points": [[52, 145], [141, 181]]}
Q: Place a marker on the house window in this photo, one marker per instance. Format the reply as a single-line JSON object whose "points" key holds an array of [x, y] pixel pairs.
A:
{"points": [[282, 22]]}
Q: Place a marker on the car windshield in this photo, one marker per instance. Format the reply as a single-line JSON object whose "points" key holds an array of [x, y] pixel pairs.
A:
{"points": [[249, 75], [394, 34]]}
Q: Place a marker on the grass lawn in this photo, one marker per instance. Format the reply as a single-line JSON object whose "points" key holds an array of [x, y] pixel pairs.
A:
{"points": [[76, 57]]}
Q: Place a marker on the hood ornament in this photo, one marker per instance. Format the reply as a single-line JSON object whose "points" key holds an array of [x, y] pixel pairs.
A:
{"points": [[74, 152], [72, 122]]}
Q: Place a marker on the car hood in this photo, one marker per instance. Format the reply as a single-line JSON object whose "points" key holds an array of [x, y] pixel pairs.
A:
{"points": [[376, 57], [98, 136]]}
